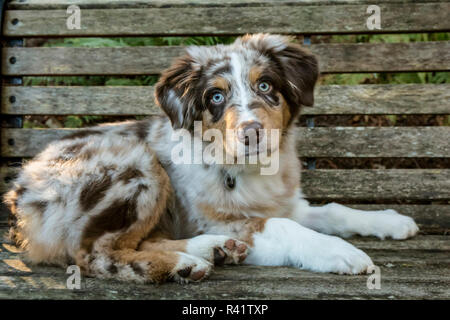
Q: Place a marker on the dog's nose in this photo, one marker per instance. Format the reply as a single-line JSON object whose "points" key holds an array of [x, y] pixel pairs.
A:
{"points": [[250, 129]]}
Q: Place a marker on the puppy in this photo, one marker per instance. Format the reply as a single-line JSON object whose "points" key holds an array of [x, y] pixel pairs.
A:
{"points": [[112, 200]]}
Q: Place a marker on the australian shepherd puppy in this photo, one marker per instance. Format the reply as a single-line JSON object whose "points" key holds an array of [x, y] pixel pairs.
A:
{"points": [[117, 201]]}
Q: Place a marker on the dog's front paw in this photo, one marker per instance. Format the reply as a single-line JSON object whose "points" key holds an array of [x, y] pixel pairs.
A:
{"points": [[218, 249], [190, 269], [335, 255], [391, 224]]}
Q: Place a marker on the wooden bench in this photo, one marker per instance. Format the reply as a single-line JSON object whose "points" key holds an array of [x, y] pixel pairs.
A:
{"points": [[416, 268]]}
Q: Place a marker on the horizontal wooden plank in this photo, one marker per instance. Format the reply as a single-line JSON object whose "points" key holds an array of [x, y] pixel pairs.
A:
{"points": [[381, 57], [290, 284], [358, 184], [416, 268], [320, 142], [88, 100], [381, 99], [89, 61], [405, 253], [29, 142], [139, 100], [369, 142], [15, 265], [404, 184], [333, 58], [334, 142], [115, 4], [218, 20]]}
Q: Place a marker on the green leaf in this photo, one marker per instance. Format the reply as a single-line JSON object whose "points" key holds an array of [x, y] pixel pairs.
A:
{"points": [[73, 122]]}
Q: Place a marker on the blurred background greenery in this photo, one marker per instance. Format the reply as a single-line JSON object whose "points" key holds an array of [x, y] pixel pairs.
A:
{"points": [[344, 79]]}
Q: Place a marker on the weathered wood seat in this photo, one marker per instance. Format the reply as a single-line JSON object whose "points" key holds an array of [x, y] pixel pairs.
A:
{"points": [[416, 268]]}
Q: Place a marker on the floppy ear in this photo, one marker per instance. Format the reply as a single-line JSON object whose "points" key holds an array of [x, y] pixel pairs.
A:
{"points": [[297, 66], [177, 92], [301, 71]]}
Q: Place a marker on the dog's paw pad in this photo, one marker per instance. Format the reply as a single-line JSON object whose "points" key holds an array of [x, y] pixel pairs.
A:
{"points": [[218, 249], [191, 269], [235, 250]]}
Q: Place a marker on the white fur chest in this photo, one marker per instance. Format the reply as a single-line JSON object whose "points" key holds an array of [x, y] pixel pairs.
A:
{"points": [[204, 196]]}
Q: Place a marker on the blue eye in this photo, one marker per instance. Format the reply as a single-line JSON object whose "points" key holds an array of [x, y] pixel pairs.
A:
{"points": [[264, 87], [217, 98]]}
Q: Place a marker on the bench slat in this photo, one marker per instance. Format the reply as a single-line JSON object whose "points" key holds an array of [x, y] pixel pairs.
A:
{"points": [[367, 185], [333, 58], [219, 20], [352, 142], [117, 4], [375, 142], [412, 269], [139, 100], [405, 184]]}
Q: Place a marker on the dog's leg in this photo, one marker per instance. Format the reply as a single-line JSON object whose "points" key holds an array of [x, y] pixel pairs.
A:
{"points": [[146, 266], [284, 242], [115, 255], [340, 220], [217, 249]]}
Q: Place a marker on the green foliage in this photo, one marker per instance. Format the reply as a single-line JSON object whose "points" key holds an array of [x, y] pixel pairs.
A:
{"points": [[117, 42], [134, 42], [348, 79], [73, 122], [385, 78], [390, 38]]}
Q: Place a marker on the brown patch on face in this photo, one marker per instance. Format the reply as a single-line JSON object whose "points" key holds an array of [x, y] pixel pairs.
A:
{"points": [[272, 117], [286, 113], [94, 192], [221, 83], [254, 74]]}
